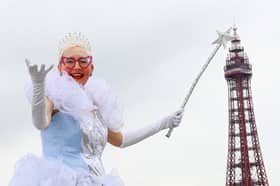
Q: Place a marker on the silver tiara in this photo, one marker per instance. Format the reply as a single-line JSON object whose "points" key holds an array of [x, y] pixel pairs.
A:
{"points": [[73, 39]]}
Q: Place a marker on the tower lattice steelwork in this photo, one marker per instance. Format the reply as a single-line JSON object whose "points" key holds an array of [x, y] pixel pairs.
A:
{"points": [[245, 165]]}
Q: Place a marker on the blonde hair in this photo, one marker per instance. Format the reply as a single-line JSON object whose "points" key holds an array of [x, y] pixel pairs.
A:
{"points": [[73, 39]]}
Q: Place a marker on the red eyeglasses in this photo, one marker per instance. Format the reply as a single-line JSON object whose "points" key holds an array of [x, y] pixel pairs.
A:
{"points": [[70, 62]]}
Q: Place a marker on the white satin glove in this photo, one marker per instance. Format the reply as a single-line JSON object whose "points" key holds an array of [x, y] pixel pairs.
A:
{"points": [[38, 105], [133, 137]]}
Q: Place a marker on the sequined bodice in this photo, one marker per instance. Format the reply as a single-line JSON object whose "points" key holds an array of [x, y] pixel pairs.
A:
{"points": [[94, 139], [94, 136], [77, 142]]}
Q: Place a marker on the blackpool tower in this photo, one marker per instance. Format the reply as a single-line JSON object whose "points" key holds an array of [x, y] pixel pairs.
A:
{"points": [[245, 165]]}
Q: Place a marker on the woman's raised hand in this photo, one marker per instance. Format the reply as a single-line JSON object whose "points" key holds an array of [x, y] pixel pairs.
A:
{"points": [[38, 104], [37, 76]]}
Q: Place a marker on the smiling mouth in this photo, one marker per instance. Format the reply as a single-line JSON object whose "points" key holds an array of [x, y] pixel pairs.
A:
{"points": [[77, 75]]}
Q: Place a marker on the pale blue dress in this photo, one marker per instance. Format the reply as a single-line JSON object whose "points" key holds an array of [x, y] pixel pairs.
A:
{"points": [[73, 144]]}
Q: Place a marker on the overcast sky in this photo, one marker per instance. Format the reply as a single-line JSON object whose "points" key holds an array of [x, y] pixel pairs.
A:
{"points": [[150, 52]]}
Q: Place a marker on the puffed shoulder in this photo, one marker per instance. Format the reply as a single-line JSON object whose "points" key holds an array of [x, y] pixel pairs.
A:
{"points": [[107, 102]]}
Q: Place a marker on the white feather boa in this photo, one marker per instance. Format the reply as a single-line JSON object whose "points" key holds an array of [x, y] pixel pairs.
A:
{"points": [[70, 97]]}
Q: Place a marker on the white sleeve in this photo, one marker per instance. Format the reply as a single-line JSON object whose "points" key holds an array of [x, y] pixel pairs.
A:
{"points": [[38, 105]]}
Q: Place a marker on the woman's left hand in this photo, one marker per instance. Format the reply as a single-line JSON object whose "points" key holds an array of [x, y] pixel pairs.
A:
{"points": [[172, 120]]}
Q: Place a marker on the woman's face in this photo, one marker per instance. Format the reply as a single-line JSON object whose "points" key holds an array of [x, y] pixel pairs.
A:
{"points": [[80, 74]]}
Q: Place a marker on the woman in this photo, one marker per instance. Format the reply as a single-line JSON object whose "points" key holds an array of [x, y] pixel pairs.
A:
{"points": [[77, 115]]}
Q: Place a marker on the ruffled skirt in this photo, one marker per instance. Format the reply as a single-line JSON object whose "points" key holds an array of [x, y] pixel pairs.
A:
{"points": [[34, 171]]}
